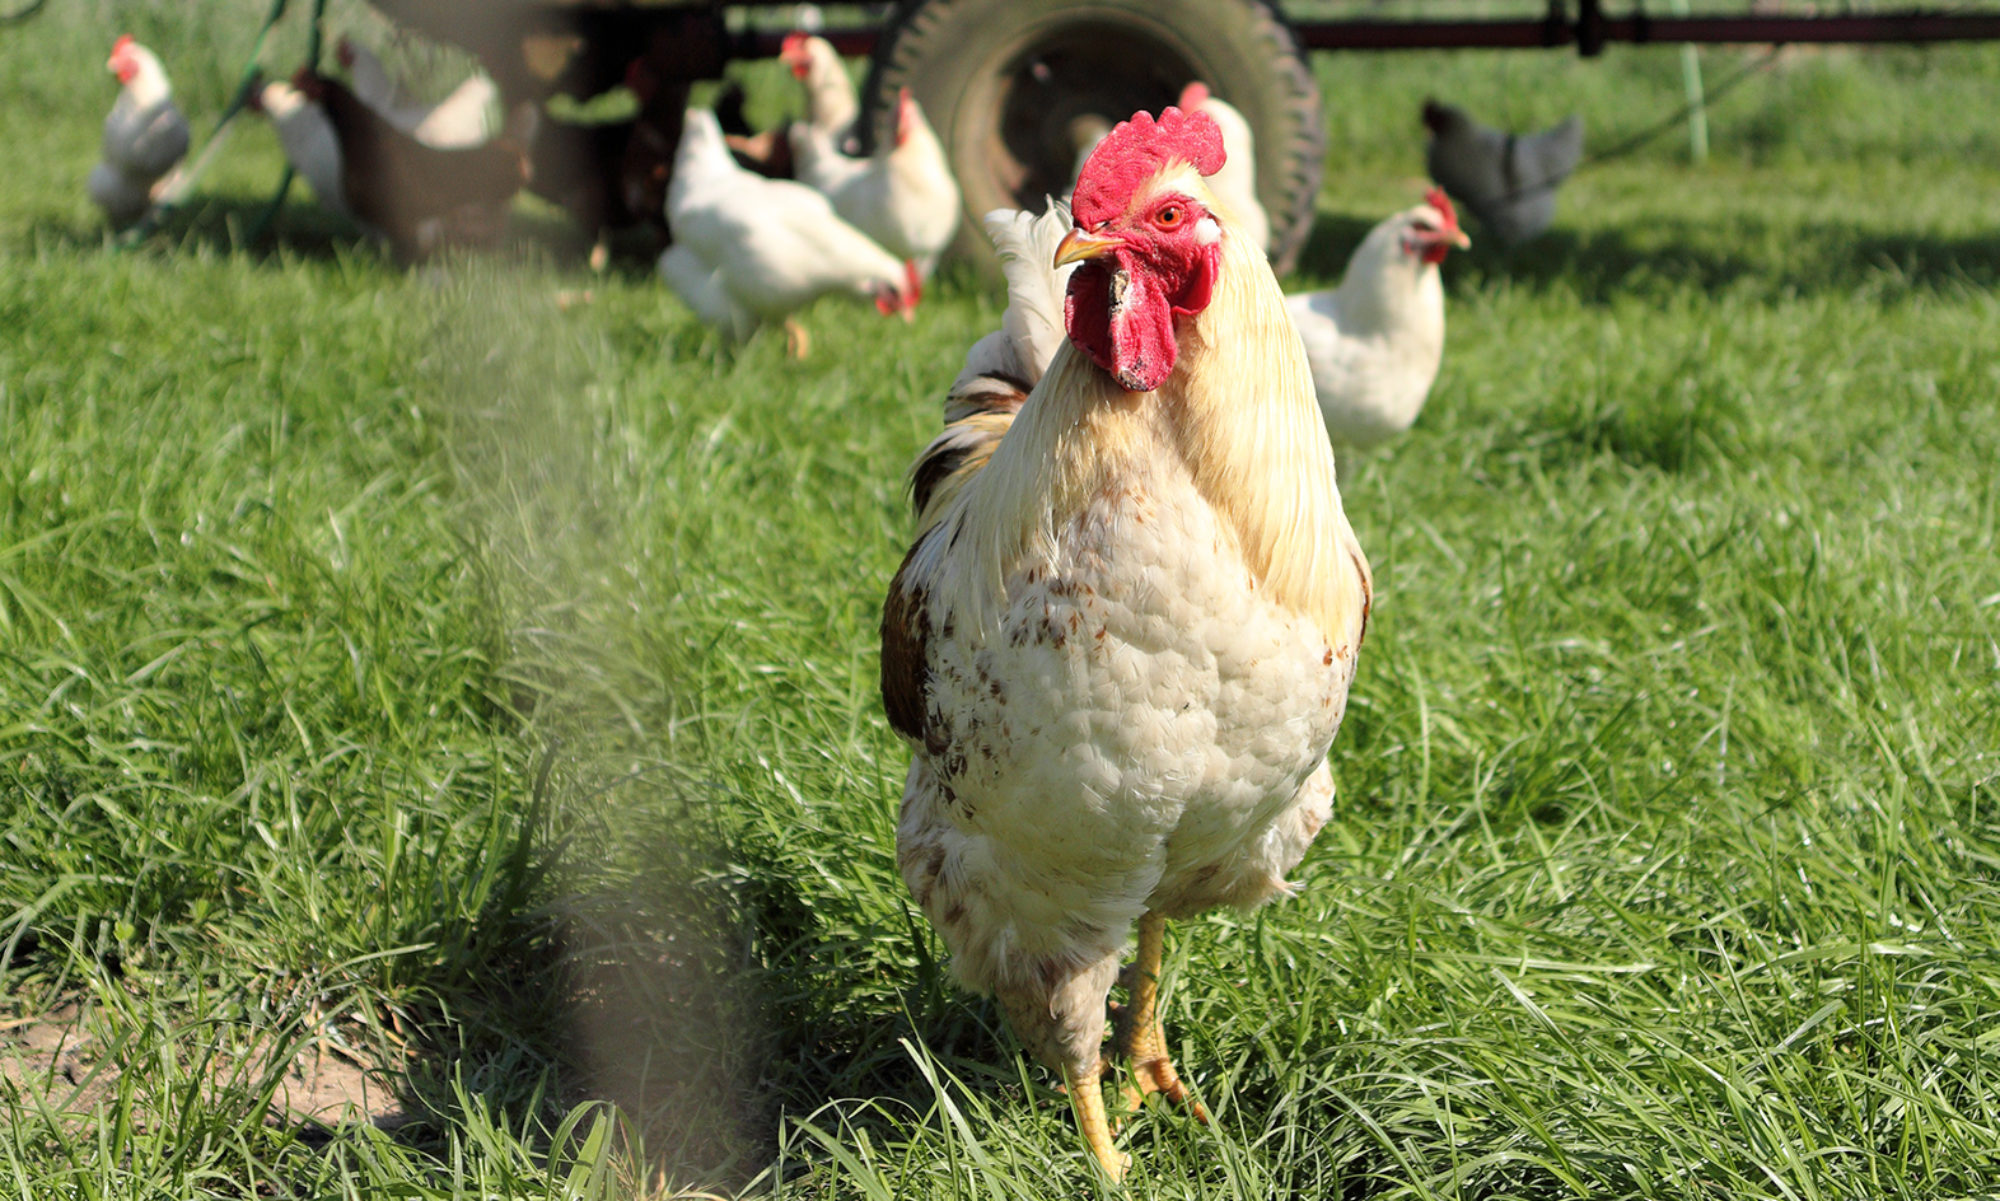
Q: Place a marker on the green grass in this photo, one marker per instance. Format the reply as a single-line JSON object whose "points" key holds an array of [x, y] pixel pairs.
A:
{"points": [[400, 668]]}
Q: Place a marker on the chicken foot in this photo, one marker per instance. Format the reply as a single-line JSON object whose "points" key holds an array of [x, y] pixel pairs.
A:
{"points": [[1138, 1035], [1086, 1095], [798, 343]]}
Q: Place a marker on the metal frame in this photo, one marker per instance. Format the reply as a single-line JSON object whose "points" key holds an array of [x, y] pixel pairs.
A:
{"points": [[1582, 23]]}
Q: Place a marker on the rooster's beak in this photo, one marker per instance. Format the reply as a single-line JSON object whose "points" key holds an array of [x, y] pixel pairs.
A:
{"points": [[1459, 239], [1080, 244]]}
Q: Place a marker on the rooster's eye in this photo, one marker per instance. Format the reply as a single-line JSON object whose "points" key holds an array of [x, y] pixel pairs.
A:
{"points": [[1168, 217]]}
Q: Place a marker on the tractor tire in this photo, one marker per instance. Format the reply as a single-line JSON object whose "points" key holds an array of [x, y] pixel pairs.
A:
{"points": [[1015, 88]]}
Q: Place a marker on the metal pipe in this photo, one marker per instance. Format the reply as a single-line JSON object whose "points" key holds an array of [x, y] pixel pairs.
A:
{"points": [[1640, 29], [1556, 29]]}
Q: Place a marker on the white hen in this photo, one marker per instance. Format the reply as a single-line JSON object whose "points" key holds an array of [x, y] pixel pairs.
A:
{"points": [[748, 250], [903, 196], [145, 135], [1509, 181], [1375, 342], [1236, 184], [463, 118]]}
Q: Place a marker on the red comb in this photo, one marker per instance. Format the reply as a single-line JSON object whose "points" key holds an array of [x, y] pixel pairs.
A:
{"points": [[1134, 152], [793, 45], [123, 43], [1194, 95], [1442, 203]]}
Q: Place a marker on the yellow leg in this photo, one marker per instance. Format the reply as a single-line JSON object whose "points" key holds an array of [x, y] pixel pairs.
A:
{"points": [[1139, 1036], [798, 343], [1086, 1094]]}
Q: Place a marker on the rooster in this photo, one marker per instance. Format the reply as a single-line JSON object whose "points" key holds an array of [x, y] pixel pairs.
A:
{"points": [[421, 198], [1122, 642], [748, 250], [144, 136], [830, 104], [454, 123], [1236, 184], [903, 195], [1509, 181], [1375, 341]]}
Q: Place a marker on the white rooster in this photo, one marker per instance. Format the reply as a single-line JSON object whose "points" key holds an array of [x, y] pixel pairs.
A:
{"points": [[903, 195], [145, 135], [1508, 180], [1122, 642], [749, 250], [1375, 342], [830, 103], [462, 119]]}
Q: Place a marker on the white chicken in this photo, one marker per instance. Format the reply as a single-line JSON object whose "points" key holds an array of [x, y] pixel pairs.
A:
{"points": [[145, 135], [1509, 181], [1375, 342], [1122, 642], [462, 119], [903, 196], [749, 250], [307, 134], [1236, 184], [830, 104]]}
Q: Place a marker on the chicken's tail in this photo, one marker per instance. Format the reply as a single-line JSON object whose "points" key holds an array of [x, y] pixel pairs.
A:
{"points": [[1003, 367]]}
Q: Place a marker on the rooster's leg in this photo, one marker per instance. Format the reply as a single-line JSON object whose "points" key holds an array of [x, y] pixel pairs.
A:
{"points": [[798, 343], [1086, 1094], [1139, 1036]]}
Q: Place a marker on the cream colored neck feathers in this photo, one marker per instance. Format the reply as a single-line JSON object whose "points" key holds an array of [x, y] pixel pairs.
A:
{"points": [[1238, 412]]}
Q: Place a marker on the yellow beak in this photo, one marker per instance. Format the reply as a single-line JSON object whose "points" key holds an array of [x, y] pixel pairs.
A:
{"points": [[1459, 239], [1080, 244]]}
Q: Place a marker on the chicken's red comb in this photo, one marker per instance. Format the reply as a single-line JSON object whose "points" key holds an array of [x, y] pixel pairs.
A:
{"points": [[1194, 95], [792, 47], [1442, 203], [1135, 151], [123, 43]]}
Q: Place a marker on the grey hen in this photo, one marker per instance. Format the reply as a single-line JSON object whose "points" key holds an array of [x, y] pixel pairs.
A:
{"points": [[1508, 180]]}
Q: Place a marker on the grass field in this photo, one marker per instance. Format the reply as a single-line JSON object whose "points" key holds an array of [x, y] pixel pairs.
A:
{"points": [[406, 680]]}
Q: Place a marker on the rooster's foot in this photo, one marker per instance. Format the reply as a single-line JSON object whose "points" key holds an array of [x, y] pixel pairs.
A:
{"points": [[1086, 1095], [1138, 1036]]}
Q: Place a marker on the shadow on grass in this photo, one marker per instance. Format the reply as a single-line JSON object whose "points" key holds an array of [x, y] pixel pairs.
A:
{"points": [[640, 952], [1600, 265], [303, 229]]}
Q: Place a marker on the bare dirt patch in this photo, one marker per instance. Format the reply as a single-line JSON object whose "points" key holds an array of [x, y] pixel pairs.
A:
{"points": [[58, 1062]]}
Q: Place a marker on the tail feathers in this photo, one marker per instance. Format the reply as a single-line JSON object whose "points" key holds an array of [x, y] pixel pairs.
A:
{"points": [[1003, 367], [944, 468], [1031, 330]]}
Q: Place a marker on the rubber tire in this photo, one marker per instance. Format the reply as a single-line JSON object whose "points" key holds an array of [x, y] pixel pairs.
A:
{"points": [[957, 56]]}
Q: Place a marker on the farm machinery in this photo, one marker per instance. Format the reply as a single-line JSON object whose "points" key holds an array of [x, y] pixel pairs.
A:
{"points": [[1009, 84]]}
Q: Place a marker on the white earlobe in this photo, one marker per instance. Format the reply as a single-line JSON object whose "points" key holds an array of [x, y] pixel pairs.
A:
{"points": [[1207, 232]]}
